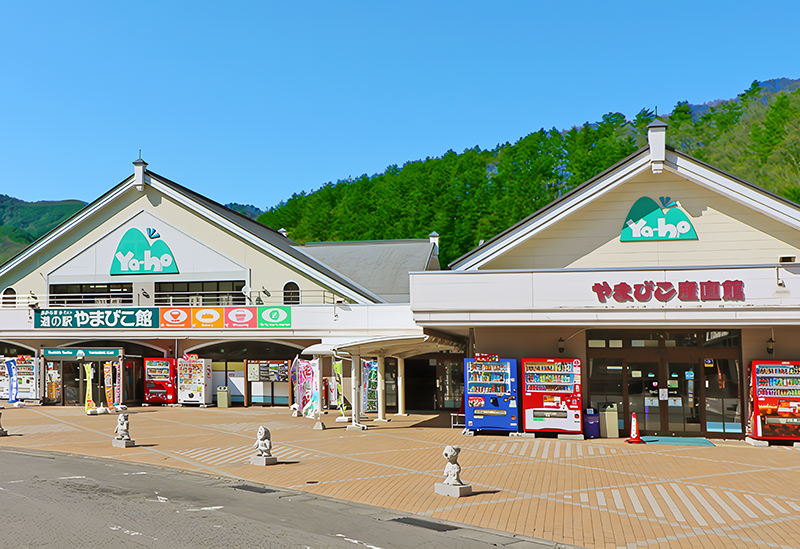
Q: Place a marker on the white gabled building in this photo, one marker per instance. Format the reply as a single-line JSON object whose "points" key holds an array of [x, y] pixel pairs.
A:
{"points": [[157, 270], [662, 272]]}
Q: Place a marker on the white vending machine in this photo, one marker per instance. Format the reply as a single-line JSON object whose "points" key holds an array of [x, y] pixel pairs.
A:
{"points": [[194, 380], [27, 378]]}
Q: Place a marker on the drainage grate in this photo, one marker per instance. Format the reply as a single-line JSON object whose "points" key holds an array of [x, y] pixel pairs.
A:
{"points": [[256, 489], [437, 526]]}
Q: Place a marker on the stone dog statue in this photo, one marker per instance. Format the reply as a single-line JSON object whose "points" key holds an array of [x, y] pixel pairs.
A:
{"points": [[122, 428], [452, 470], [263, 442]]}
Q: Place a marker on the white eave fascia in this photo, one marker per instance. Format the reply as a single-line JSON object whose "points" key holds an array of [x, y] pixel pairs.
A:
{"points": [[568, 207], [269, 249], [83, 216], [738, 192]]}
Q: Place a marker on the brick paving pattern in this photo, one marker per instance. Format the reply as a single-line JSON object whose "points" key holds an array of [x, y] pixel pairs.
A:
{"points": [[599, 493]]}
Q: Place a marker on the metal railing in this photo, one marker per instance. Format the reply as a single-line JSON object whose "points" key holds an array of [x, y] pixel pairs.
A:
{"points": [[172, 299]]}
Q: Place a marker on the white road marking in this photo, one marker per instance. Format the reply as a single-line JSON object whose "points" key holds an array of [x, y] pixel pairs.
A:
{"points": [[568, 451], [524, 449], [760, 507], [775, 505], [793, 505], [617, 499], [591, 450], [652, 501], [741, 505], [637, 506], [557, 451], [502, 448], [584, 497], [535, 449], [580, 450], [693, 511], [357, 542], [602, 451], [725, 507], [601, 499], [670, 503]]}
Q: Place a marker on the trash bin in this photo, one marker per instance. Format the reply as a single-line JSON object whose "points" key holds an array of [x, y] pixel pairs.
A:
{"points": [[591, 424], [223, 397], [609, 420]]}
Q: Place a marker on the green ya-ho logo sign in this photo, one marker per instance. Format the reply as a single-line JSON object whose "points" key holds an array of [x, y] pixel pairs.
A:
{"points": [[136, 255], [648, 221]]}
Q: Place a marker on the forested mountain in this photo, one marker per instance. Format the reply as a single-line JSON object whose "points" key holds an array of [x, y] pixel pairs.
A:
{"points": [[470, 196], [23, 222]]}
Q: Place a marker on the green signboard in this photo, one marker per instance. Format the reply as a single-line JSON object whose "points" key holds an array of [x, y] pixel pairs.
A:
{"points": [[275, 317], [648, 221], [136, 255], [82, 353], [115, 318]]}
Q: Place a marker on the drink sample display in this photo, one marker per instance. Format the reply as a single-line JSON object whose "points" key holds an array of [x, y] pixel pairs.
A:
{"points": [[552, 396], [194, 381], [491, 394], [775, 390], [27, 378], [160, 386]]}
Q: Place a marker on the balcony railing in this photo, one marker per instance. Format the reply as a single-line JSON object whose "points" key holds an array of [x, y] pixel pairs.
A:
{"points": [[173, 299]]}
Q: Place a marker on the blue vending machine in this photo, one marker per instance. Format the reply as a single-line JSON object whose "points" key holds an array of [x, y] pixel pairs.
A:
{"points": [[491, 393]]}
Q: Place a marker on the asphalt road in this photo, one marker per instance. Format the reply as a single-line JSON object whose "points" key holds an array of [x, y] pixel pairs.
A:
{"points": [[59, 500]]}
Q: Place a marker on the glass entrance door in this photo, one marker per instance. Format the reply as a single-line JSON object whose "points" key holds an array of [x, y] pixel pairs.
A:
{"points": [[683, 399], [71, 377], [643, 384]]}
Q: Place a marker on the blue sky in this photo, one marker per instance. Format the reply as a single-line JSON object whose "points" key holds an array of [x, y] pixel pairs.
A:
{"points": [[251, 101]]}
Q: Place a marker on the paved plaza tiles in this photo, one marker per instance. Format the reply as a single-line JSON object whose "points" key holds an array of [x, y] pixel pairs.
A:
{"points": [[595, 493]]}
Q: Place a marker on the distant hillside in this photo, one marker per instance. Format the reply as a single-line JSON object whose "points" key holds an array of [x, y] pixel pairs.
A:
{"points": [[23, 222], [245, 209], [471, 196]]}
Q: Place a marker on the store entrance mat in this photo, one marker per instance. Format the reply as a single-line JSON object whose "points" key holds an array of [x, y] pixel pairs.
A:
{"points": [[679, 441]]}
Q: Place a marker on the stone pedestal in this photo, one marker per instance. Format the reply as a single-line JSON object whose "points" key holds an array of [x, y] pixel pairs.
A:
{"points": [[118, 443], [756, 442], [263, 460], [319, 426], [343, 419], [452, 491]]}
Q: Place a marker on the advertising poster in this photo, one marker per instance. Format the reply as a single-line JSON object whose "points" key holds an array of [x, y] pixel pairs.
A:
{"points": [[89, 405], [241, 317], [108, 381], [13, 382], [338, 387], [369, 385]]}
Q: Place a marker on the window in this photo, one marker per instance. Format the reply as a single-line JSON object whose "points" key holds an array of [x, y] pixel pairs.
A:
{"points": [[9, 298], [90, 294], [200, 294], [291, 294]]}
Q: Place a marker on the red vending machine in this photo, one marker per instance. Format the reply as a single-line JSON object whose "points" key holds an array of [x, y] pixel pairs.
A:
{"points": [[159, 381], [551, 397], [776, 400]]}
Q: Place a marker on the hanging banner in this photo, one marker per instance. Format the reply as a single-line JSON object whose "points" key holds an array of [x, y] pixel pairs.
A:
{"points": [[118, 386], [338, 386], [13, 382], [89, 404], [369, 385], [108, 381]]}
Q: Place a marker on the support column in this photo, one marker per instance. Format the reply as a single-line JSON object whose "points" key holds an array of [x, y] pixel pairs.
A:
{"points": [[401, 387], [319, 426], [355, 392], [381, 388]]}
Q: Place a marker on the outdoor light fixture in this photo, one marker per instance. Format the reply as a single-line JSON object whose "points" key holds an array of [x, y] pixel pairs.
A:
{"points": [[145, 294], [770, 345], [561, 344]]}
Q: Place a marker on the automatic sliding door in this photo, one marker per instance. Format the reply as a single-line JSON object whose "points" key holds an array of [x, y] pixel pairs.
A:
{"points": [[683, 400], [643, 385]]}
